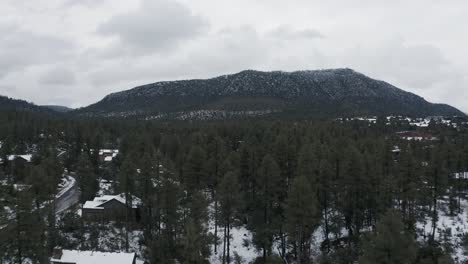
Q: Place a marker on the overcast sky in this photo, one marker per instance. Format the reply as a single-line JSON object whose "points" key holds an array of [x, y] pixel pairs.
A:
{"points": [[74, 52]]}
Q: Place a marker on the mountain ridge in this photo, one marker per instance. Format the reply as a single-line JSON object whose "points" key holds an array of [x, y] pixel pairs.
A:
{"points": [[329, 92], [12, 104], [58, 108]]}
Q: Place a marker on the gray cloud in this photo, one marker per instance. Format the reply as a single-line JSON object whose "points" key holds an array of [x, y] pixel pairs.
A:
{"points": [[88, 3], [75, 52], [415, 65], [157, 26], [58, 76], [286, 32], [20, 49]]}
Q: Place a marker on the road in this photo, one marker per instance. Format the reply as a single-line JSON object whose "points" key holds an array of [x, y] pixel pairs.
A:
{"points": [[64, 201], [68, 199]]}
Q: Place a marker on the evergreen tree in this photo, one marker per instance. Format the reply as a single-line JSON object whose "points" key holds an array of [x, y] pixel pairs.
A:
{"points": [[194, 169], [229, 199], [390, 243], [126, 186], [87, 179], [302, 217], [266, 221]]}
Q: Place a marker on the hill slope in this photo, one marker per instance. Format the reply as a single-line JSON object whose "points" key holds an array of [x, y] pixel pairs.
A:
{"points": [[58, 108], [11, 104], [333, 92]]}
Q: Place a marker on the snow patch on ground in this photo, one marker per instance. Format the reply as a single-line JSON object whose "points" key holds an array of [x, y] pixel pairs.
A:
{"points": [[241, 243], [451, 229]]}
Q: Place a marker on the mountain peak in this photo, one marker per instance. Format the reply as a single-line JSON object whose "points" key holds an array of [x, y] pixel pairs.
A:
{"points": [[333, 92]]}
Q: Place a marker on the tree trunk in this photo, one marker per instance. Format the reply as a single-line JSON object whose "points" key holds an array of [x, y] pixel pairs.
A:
{"points": [[126, 225], [434, 209], [224, 245], [216, 224], [327, 227], [228, 241]]}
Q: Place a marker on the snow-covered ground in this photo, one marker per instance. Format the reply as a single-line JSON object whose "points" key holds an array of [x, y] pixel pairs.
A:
{"points": [[9, 215], [241, 244], [452, 229]]}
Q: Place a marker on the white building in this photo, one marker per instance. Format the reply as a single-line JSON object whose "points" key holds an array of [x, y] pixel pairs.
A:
{"points": [[108, 155], [461, 175], [26, 158], [91, 257]]}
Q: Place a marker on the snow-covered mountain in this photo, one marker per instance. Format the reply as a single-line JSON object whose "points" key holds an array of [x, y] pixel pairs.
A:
{"points": [[318, 93]]}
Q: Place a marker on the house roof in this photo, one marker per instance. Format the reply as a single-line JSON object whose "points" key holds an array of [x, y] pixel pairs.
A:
{"points": [[461, 175], [94, 257], [27, 157], [114, 152], [101, 200]]}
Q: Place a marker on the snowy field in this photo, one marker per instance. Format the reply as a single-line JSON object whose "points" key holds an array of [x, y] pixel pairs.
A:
{"points": [[450, 229]]}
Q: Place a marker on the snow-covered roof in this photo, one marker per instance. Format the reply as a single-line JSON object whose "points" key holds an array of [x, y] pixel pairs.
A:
{"points": [[100, 200], [114, 152], [396, 149], [461, 175], [108, 158], [94, 257], [27, 157], [93, 205]]}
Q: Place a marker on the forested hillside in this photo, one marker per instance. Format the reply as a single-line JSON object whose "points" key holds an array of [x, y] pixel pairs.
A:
{"points": [[301, 94], [238, 191], [10, 104]]}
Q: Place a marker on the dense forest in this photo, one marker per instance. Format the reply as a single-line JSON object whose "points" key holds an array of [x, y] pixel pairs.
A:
{"points": [[304, 191]]}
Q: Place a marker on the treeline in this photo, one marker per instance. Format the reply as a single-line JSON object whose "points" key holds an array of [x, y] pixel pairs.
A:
{"points": [[290, 184], [285, 182]]}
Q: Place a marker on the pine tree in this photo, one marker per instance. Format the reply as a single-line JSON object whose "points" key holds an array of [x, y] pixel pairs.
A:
{"points": [[302, 217], [229, 198], [390, 243], [147, 178], [87, 180], [126, 186], [165, 243], [194, 171], [265, 219], [194, 244]]}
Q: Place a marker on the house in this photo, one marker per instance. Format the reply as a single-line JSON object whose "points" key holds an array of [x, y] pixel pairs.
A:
{"points": [[111, 207], [461, 175], [16, 166], [107, 155], [26, 158], [396, 152], [60, 256], [18, 158]]}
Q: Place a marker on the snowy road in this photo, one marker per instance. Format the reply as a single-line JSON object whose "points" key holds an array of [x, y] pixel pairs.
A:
{"points": [[67, 197]]}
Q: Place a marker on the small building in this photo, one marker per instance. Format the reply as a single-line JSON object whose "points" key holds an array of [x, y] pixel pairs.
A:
{"points": [[111, 207], [60, 256], [461, 175], [107, 155], [18, 158], [396, 152]]}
